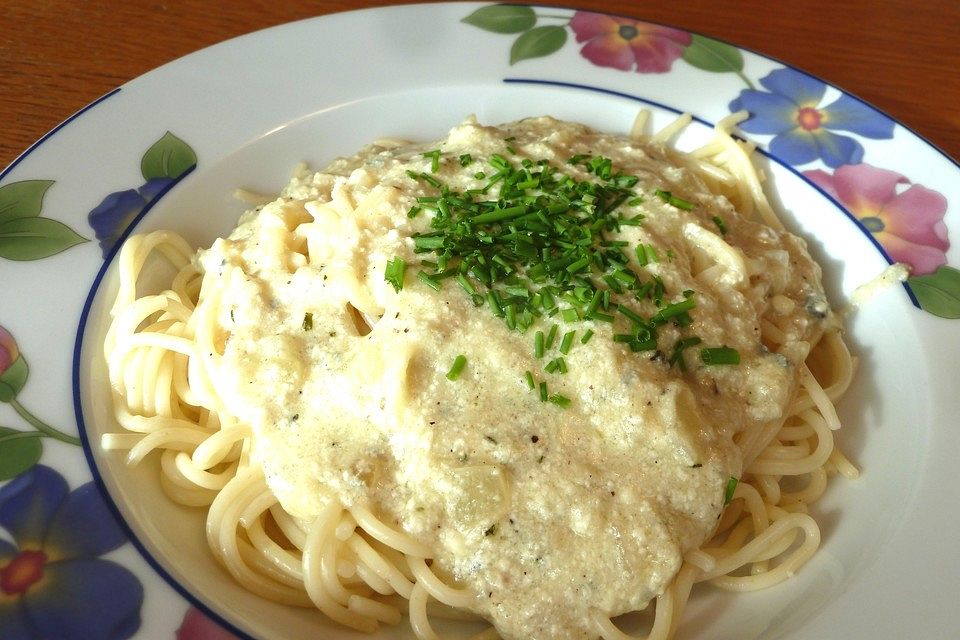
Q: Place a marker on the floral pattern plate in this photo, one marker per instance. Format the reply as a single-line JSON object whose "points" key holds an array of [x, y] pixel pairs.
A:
{"points": [[90, 550]]}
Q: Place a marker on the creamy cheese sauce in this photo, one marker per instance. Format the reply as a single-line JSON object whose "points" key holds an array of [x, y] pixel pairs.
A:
{"points": [[545, 514]]}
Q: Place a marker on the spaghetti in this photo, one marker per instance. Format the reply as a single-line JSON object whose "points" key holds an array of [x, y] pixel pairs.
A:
{"points": [[291, 526]]}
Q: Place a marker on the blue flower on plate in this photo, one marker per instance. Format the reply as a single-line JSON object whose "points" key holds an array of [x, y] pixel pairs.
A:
{"points": [[53, 584], [803, 130], [111, 217]]}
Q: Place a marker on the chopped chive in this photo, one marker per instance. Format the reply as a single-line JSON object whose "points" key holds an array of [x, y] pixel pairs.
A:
{"points": [[466, 284], [641, 252], [627, 277], [570, 315], [560, 400], [567, 342], [594, 302], [552, 366], [586, 336], [434, 159], [495, 305], [602, 317], [730, 490], [511, 319], [673, 200], [543, 391], [466, 160], [631, 314], [500, 214], [548, 301], [426, 243], [720, 355], [674, 309], [428, 280], [458, 364], [538, 344], [394, 272], [579, 265], [552, 336], [529, 378], [433, 182], [721, 225]]}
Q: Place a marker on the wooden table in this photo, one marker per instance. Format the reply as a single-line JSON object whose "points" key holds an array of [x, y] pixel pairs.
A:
{"points": [[900, 55]]}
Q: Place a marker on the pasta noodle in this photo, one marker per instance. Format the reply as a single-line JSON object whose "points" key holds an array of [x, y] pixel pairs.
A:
{"points": [[165, 352]]}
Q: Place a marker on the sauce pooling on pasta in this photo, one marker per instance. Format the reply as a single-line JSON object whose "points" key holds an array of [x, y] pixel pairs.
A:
{"points": [[543, 515]]}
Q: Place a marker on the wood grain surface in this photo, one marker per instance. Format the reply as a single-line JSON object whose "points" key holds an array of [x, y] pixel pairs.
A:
{"points": [[901, 56]]}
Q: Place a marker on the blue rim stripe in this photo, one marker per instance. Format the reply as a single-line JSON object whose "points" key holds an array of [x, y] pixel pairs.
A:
{"points": [[763, 152], [33, 147]]}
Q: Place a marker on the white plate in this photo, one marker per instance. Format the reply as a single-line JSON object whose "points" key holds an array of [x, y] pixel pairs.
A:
{"points": [[246, 111]]}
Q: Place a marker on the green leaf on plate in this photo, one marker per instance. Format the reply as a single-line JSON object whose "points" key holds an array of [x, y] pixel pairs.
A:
{"points": [[13, 379], [35, 238], [22, 199], [712, 55], [169, 157], [939, 292], [502, 18], [538, 42], [19, 450]]}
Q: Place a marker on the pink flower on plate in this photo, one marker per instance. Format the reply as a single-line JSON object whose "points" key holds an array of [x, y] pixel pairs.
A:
{"points": [[8, 350], [623, 43], [196, 626], [907, 222]]}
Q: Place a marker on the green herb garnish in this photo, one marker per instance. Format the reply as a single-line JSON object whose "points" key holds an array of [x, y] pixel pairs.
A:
{"points": [[730, 490], [528, 376], [394, 272], [567, 342], [457, 368], [530, 242], [560, 400], [434, 159], [673, 200], [721, 225], [719, 355]]}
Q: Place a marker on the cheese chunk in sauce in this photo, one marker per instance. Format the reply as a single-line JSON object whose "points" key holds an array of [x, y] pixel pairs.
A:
{"points": [[546, 515]]}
